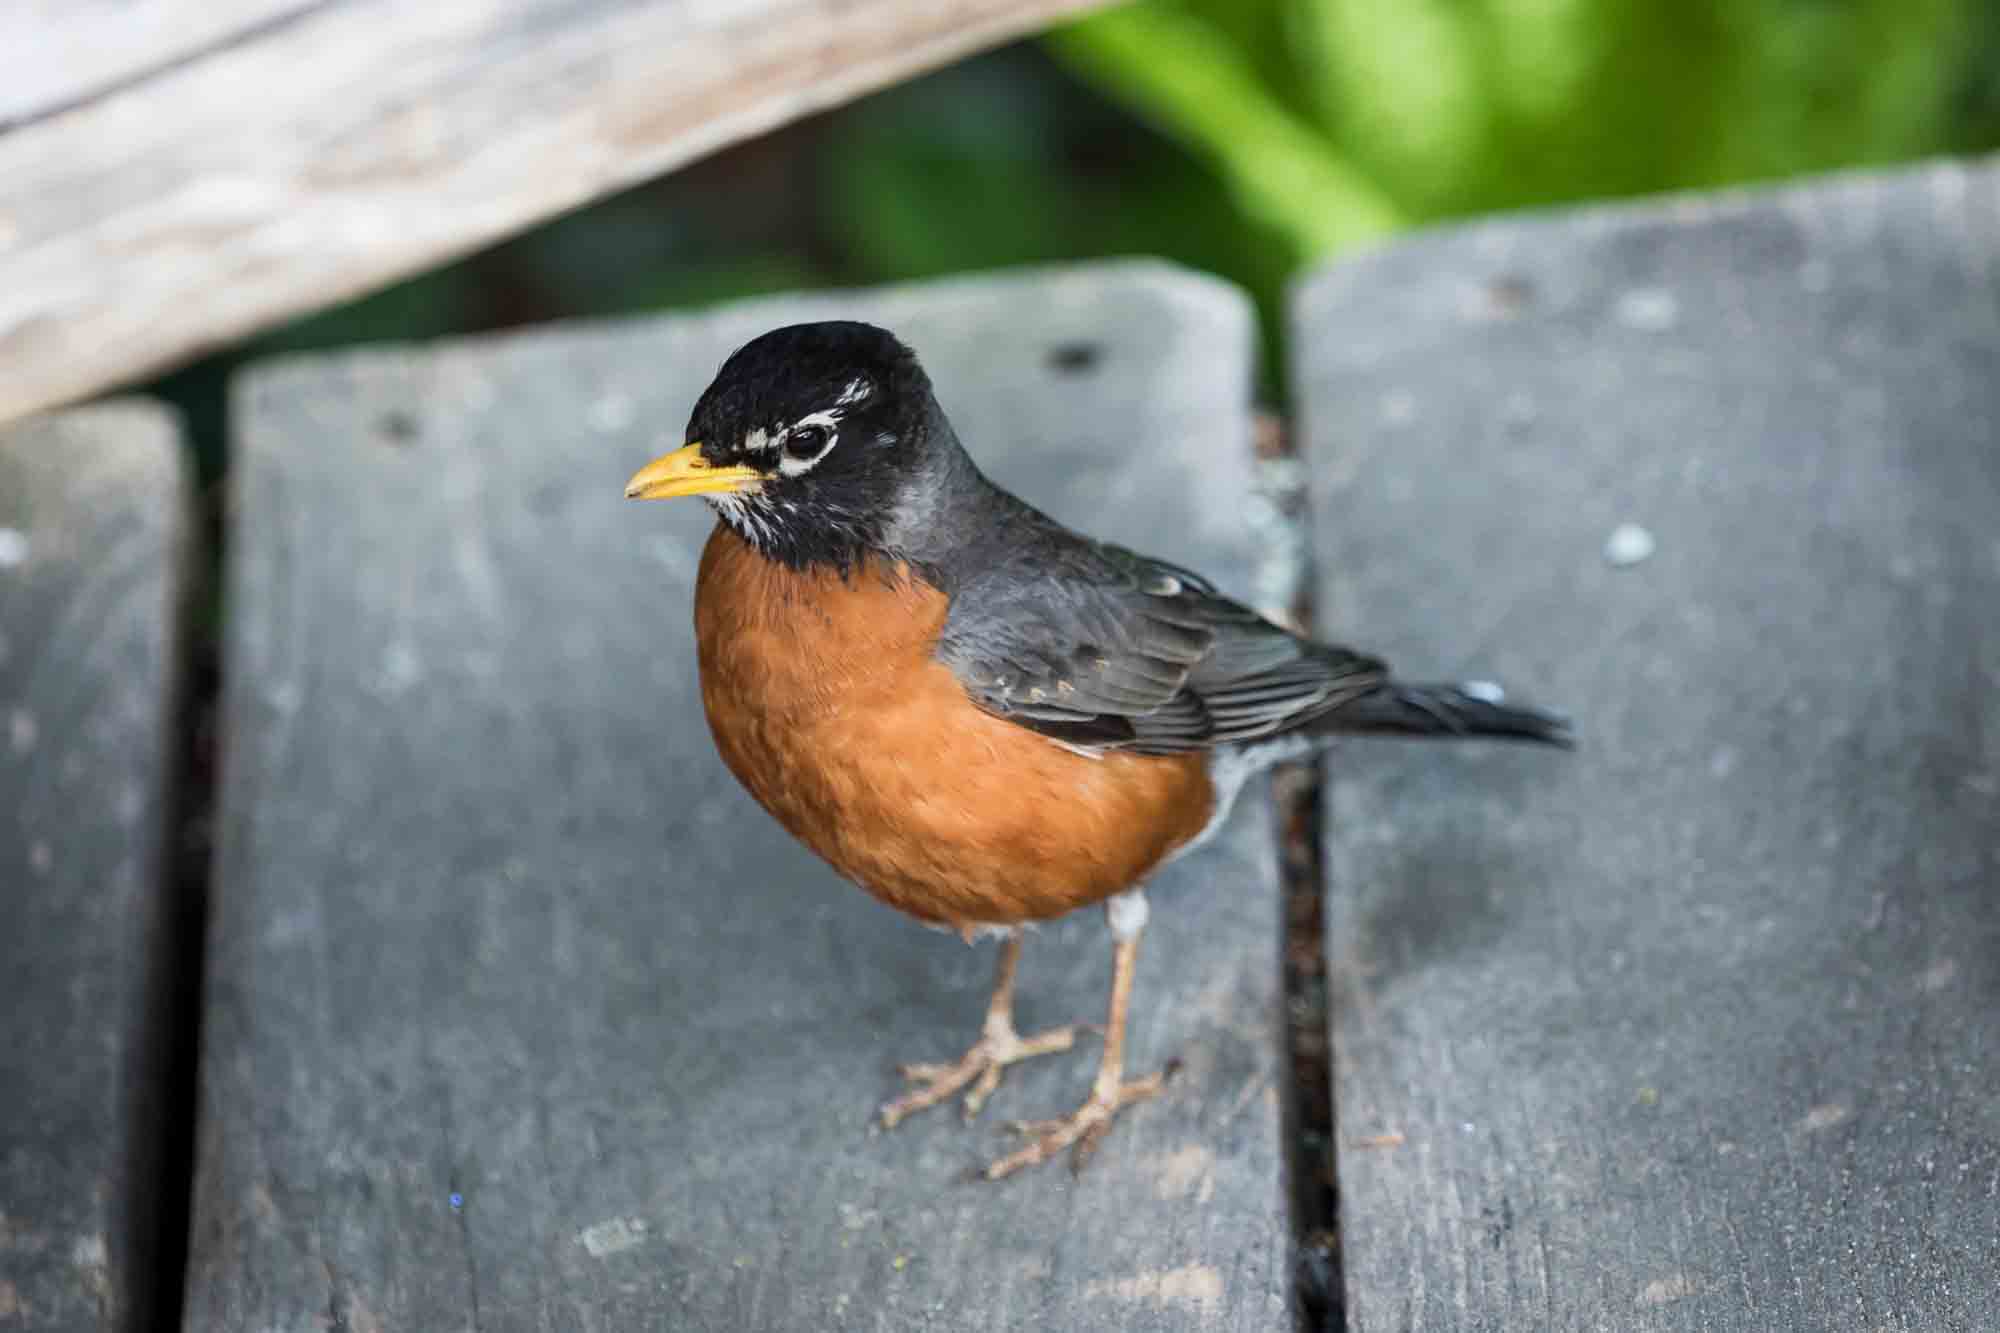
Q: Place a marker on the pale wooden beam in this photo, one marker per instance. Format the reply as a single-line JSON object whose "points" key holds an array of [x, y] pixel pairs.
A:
{"points": [[57, 54], [159, 198]]}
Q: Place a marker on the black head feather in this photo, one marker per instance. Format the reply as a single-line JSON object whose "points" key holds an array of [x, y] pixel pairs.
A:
{"points": [[837, 418]]}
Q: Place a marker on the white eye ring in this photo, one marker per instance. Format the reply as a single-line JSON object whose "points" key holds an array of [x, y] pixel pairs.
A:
{"points": [[823, 425]]}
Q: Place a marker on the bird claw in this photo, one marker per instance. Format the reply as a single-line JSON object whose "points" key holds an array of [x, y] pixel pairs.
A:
{"points": [[981, 1068], [975, 1097], [1083, 1129]]}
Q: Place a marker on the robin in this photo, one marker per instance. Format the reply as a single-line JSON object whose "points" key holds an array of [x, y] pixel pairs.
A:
{"points": [[981, 717]]}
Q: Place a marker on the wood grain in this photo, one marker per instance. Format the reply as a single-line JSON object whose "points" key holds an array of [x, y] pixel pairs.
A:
{"points": [[94, 533], [1696, 1028], [56, 55], [523, 1016], [182, 197]]}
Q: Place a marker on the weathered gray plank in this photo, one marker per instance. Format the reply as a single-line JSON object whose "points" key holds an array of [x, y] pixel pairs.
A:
{"points": [[1697, 1027], [160, 217], [93, 540], [492, 918]]}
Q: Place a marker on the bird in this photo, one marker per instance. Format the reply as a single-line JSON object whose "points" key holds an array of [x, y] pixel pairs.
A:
{"points": [[984, 718]]}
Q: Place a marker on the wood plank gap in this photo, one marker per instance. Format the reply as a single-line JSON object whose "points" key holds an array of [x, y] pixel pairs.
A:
{"points": [[186, 857], [1310, 1114], [1287, 594]]}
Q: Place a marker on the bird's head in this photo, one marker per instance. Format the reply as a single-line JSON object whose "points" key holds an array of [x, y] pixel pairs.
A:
{"points": [[807, 442]]}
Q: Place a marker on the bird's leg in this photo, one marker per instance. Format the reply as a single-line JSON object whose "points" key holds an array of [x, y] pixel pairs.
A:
{"points": [[998, 1046], [1111, 1093]]}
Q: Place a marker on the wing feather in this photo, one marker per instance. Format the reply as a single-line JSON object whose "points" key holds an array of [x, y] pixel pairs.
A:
{"points": [[1105, 648]]}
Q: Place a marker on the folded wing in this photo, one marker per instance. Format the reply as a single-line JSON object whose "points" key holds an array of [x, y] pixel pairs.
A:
{"points": [[1103, 648]]}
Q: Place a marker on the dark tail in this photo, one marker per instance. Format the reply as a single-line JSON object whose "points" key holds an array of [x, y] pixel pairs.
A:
{"points": [[1472, 709]]}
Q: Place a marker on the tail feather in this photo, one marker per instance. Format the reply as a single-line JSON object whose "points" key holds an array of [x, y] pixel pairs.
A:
{"points": [[1472, 709]]}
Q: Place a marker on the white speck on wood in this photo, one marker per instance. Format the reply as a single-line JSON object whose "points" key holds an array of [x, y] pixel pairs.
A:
{"points": [[611, 413], [399, 670], [1194, 1287], [1649, 309], [1186, 1172], [91, 1258], [13, 547], [1665, 1290], [612, 1235], [21, 730], [1628, 544]]}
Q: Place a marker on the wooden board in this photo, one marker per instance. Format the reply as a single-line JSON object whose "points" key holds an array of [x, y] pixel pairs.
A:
{"points": [[218, 169], [94, 531], [1696, 1028], [56, 55], [494, 924]]}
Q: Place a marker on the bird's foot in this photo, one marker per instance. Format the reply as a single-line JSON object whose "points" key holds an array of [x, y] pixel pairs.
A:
{"points": [[1083, 1127], [981, 1067]]}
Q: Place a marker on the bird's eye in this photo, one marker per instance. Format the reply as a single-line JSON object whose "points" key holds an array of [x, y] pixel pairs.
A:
{"points": [[806, 443]]}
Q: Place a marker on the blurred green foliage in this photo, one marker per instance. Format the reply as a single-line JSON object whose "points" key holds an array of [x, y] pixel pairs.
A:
{"points": [[1337, 120], [1304, 128]]}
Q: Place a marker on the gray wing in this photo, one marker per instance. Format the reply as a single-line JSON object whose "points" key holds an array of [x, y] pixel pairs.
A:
{"points": [[1103, 648]]}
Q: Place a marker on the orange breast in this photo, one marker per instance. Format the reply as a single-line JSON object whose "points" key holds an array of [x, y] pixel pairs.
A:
{"points": [[826, 702]]}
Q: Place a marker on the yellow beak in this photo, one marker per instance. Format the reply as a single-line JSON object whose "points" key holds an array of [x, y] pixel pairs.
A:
{"points": [[686, 472]]}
